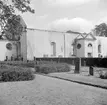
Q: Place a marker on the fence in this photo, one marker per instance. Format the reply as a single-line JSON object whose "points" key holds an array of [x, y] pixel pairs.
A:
{"points": [[97, 62]]}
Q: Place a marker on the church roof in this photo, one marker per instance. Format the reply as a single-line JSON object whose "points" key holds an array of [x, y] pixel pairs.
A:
{"points": [[85, 36]]}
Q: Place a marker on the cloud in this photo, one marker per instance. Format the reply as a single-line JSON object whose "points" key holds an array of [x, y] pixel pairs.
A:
{"points": [[103, 4], [102, 20], [42, 16], [75, 24], [66, 2]]}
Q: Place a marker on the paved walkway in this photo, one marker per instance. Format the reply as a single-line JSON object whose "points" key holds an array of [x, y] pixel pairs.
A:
{"points": [[82, 78]]}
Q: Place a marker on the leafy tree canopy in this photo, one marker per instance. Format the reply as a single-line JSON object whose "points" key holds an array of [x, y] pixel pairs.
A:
{"points": [[101, 29], [9, 21]]}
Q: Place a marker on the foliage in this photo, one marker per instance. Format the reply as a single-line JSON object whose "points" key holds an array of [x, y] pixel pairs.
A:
{"points": [[101, 29], [19, 63], [9, 21], [51, 68], [103, 74], [12, 73], [26, 64]]}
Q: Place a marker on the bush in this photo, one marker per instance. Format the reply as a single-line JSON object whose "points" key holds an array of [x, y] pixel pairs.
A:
{"points": [[16, 74], [30, 64], [19, 63], [103, 74], [46, 62], [51, 68]]}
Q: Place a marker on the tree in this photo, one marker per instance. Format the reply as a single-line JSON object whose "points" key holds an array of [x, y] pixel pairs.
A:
{"points": [[9, 21], [101, 29]]}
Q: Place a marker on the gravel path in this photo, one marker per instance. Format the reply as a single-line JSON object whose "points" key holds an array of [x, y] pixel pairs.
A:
{"points": [[50, 91]]}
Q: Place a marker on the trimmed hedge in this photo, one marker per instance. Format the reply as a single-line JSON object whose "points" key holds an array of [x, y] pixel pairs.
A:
{"points": [[51, 68], [19, 63], [26, 64], [12, 73]]}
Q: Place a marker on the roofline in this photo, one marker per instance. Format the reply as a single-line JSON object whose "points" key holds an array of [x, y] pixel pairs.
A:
{"points": [[91, 36], [86, 39], [52, 31]]}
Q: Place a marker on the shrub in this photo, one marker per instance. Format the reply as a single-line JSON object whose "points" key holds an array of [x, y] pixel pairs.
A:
{"points": [[19, 63], [51, 68], [103, 74], [46, 62], [16, 74]]}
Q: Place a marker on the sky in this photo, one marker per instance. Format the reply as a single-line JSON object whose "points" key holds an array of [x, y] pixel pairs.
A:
{"points": [[64, 15]]}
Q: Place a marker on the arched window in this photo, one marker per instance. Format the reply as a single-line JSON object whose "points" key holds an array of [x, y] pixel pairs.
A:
{"points": [[99, 48], [89, 45]]}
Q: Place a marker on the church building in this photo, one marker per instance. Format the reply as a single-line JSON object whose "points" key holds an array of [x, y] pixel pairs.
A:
{"points": [[47, 43]]}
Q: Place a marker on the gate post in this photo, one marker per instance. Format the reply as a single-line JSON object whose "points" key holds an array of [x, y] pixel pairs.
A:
{"points": [[77, 65], [91, 71]]}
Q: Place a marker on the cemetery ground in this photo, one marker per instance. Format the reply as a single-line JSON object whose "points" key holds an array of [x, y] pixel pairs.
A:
{"points": [[56, 89], [44, 90]]}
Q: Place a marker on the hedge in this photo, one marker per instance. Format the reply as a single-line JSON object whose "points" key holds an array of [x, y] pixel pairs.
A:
{"points": [[51, 68], [12, 73], [103, 74]]}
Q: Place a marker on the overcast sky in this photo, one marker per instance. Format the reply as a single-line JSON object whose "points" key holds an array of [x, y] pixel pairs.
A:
{"points": [[63, 15]]}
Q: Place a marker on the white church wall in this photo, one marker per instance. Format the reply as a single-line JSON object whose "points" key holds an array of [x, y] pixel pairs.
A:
{"points": [[80, 52], [69, 41], [37, 44], [103, 41], [23, 41], [88, 49], [58, 38], [5, 52]]}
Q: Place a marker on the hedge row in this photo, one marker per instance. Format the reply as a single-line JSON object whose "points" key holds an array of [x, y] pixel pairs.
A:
{"points": [[12, 73], [19, 63], [26, 64], [51, 68]]}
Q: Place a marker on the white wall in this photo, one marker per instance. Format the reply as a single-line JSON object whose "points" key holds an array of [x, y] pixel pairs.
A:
{"points": [[39, 43], [103, 41], [5, 52], [88, 49], [58, 38], [80, 52], [23, 41], [69, 41]]}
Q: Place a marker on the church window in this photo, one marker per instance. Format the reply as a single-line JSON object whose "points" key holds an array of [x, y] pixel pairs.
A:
{"points": [[89, 45], [78, 46], [99, 48]]}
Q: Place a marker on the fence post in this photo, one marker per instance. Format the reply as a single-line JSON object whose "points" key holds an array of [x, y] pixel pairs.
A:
{"points": [[77, 65]]}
